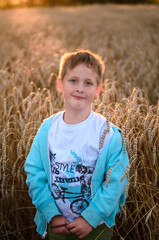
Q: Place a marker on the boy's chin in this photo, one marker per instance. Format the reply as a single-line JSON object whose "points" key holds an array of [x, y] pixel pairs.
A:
{"points": [[78, 108]]}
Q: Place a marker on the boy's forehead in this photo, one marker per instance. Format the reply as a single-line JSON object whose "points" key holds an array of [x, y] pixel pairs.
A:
{"points": [[79, 66], [81, 70]]}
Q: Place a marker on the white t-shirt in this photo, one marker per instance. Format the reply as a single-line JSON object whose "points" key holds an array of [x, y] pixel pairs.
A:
{"points": [[74, 150]]}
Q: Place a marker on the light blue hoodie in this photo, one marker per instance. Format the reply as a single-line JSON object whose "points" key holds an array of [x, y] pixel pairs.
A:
{"points": [[106, 195]]}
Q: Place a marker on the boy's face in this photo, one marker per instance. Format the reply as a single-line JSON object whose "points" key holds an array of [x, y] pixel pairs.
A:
{"points": [[79, 88]]}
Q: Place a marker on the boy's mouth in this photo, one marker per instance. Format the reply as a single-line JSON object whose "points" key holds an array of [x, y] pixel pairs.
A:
{"points": [[78, 97]]}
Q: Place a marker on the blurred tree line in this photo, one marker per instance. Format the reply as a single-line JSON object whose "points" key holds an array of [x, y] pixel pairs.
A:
{"points": [[30, 3]]}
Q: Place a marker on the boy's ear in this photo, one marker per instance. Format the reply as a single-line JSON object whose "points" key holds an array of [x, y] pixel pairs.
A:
{"points": [[98, 90], [59, 84]]}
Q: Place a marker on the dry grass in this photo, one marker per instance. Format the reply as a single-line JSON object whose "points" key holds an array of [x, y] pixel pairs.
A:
{"points": [[31, 44]]}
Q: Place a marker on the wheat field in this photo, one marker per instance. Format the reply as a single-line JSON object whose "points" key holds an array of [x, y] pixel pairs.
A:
{"points": [[32, 42]]}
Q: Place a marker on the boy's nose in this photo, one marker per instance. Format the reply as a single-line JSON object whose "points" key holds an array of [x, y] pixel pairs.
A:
{"points": [[80, 88]]}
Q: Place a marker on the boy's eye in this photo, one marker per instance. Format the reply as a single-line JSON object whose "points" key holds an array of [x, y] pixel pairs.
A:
{"points": [[89, 83], [73, 81]]}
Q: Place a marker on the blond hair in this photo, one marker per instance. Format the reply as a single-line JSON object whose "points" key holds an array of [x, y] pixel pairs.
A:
{"points": [[91, 60]]}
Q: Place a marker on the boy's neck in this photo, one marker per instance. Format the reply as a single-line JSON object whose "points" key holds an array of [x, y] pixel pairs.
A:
{"points": [[75, 117]]}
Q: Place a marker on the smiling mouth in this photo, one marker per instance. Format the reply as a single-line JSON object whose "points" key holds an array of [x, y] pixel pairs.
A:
{"points": [[78, 97]]}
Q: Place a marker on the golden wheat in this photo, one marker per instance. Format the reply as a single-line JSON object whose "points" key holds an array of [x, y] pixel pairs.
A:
{"points": [[31, 45]]}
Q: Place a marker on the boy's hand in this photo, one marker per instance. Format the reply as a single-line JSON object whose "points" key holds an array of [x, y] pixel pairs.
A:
{"points": [[80, 227], [58, 225]]}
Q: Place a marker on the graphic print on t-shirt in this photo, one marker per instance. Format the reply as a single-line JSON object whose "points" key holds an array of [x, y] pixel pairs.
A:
{"points": [[71, 184]]}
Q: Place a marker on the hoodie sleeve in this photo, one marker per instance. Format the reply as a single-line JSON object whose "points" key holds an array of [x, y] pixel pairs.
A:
{"points": [[106, 199], [37, 181]]}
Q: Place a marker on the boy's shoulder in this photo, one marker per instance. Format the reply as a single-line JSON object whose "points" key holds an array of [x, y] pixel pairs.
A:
{"points": [[113, 135], [47, 121], [102, 119]]}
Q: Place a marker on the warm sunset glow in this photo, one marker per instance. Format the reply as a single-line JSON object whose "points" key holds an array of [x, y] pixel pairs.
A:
{"points": [[15, 2], [4, 3], [24, 3]]}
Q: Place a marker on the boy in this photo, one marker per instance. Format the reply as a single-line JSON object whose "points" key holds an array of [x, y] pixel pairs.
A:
{"points": [[77, 186]]}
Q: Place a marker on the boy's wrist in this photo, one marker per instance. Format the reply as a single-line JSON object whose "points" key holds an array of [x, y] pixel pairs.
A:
{"points": [[89, 213]]}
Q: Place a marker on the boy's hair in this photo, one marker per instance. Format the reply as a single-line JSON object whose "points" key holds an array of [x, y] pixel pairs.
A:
{"points": [[71, 60]]}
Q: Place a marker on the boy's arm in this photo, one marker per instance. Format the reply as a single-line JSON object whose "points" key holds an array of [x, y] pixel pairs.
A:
{"points": [[107, 197], [37, 182]]}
